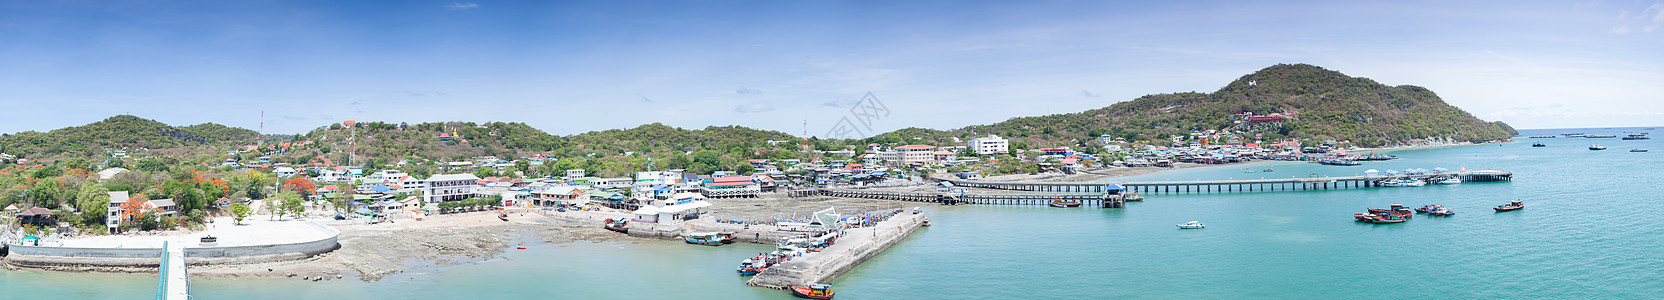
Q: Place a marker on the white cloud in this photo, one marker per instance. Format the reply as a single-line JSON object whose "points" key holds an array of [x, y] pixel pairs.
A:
{"points": [[456, 6], [748, 91], [1649, 20], [1090, 94], [754, 107]]}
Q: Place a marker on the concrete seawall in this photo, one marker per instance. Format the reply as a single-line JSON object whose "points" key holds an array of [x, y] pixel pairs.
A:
{"points": [[854, 247], [84, 258]]}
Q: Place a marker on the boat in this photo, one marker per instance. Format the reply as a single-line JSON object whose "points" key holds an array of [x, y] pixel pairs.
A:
{"points": [[1636, 137], [1247, 170], [926, 222], [1375, 157], [1396, 214], [503, 216], [1338, 162], [1192, 225], [1429, 208], [1442, 212], [749, 267], [1451, 180], [1268, 170], [1543, 137], [708, 238], [1538, 144], [616, 224], [1402, 183], [813, 291], [1516, 205], [1637, 150], [1600, 136], [1597, 147], [1061, 203], [1134, 197]]}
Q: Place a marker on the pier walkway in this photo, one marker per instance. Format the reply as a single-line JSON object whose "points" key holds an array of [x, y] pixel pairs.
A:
{"points": [[1227, 186], [172, 283], [1112, 199], [855, 246]]}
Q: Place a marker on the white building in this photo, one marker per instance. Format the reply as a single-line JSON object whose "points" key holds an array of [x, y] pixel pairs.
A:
{"points": [[990, 144], [916, 154], [575, 173], [284, 172], [449, 187], [658, 178]]}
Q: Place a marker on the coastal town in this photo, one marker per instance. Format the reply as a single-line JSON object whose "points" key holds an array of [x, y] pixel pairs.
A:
{"points": [[237, 216]]}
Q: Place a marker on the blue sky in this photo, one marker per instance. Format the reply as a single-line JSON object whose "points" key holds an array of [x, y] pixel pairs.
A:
{"points": [[572, 67]]}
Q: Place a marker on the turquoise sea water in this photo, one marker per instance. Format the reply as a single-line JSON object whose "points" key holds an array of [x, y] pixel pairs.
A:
{"points": [[1586, 233]]}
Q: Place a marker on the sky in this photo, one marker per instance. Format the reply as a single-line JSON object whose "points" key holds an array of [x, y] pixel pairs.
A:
{"points": [[794, 66]]}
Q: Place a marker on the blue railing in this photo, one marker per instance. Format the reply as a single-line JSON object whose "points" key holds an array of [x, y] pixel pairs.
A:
{"points": [[162, 274]]}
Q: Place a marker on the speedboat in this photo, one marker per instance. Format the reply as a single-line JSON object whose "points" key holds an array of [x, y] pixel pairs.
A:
{"points": [[1637, 150], [1192, 225], [1597, 146], [1516, 205], [1451, 180], [1538, 144], [1442, 212], [813, 291], [1415, 183]]}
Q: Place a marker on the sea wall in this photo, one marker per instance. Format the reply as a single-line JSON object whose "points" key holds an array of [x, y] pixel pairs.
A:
{"points": [[855, 247], [92, 258]]}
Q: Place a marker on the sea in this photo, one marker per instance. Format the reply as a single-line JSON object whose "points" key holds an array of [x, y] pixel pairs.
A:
{"points": [[1584, 234]]}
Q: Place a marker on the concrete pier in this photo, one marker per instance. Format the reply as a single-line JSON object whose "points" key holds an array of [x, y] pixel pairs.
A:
{"points": [[854, 247], [1230, 186]]}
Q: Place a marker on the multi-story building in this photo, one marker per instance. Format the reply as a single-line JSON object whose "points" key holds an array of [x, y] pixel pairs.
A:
{"points": [[990, 144], [916, 154], [449, 187]]}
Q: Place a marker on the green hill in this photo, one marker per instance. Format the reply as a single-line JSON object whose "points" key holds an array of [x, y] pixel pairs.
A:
{"points": [[119, 132], [1328, 105]]}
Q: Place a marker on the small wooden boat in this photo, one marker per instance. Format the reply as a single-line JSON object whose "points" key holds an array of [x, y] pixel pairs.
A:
{"points": [[1061, 203], [1442, 212], [503, 216], [1637, 150], [708, 238], [1516, 205], [619, 225], [813, 291]]}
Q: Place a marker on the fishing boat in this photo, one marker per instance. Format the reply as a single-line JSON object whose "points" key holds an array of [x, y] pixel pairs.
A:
{"points": [[708, 238], [1597, 147], [1543, 137], [1134, 197], [813, 291], [1192, 225], [1396, 214], [1538, 144], [1429, 208], [1637, 150], [1636, 137], [616, 224], [1338, 162], [749, 267], [503, 216], [1061, 203], [1516, 205], [1599, 136], [1450, 180], [1442, 212], [1268, 170]]}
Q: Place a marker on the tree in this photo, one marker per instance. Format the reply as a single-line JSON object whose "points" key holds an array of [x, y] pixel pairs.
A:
{"points": [[289, 203], [239, 211], [135, 207], [300, 186], [45, 193], [94, 204]]}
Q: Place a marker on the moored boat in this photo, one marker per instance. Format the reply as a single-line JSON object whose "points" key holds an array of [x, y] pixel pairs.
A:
{"points": [[1597, 146], [1538, 144], [813, 291], [1396, 214], [1450, 180], [1516, 205], [1442, 212], [708, 238], [1637, 150], [1061, 203], [1192, 225], [1134, 197], [616, 224]]}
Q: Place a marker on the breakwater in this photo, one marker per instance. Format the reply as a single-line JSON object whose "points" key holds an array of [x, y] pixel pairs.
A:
{"points": [[1225, 186], [857, 245]]}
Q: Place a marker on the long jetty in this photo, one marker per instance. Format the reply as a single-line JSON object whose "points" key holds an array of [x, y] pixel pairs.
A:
{"points": [[855, 246], [1229, 186], [1105, 200]]}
